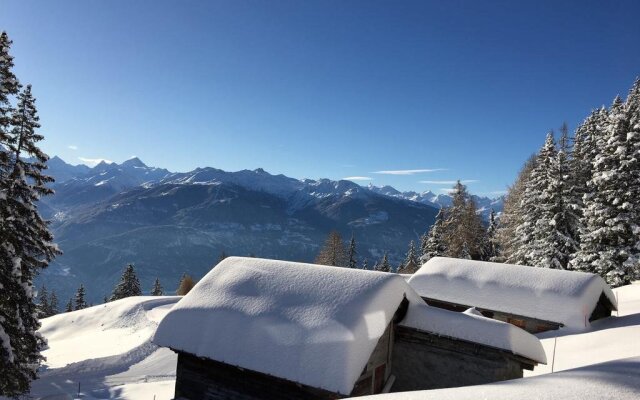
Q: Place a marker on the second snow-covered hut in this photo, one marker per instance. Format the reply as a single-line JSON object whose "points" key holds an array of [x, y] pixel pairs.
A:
{"points": [[534, 299]]}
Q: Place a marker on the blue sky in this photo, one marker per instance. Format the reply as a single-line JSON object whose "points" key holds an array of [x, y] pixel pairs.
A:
{"points": [[448, 89]]}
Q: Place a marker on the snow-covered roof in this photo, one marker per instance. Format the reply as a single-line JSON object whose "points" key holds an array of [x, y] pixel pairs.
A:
{"points": [[471, 326], [565, 297], [311, 324]]}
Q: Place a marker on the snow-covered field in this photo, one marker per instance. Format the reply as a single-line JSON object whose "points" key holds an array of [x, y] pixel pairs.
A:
{"points": [[107, 350]]}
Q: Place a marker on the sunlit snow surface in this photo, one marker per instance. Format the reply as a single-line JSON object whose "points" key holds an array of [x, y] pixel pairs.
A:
{"points": [[107, 349]]}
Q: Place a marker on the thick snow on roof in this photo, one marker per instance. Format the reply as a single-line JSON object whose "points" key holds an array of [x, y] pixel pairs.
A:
{"points": [[310, 324], [471, 326], [566, 297]]}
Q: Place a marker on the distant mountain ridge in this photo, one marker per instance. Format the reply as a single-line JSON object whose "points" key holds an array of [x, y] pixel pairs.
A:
{"points": [[134, 172], [169, 223]]}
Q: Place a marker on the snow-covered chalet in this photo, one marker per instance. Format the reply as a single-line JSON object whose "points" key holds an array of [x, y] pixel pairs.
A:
{"points": [[534, 299], [264, 329]]}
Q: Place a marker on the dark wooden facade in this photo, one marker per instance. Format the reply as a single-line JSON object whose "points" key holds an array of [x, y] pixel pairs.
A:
{"points": [[423, 361], [602, 309], [203, 379]]}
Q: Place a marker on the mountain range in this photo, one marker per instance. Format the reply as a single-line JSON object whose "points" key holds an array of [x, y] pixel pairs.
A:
{"points": [[169, 223]]}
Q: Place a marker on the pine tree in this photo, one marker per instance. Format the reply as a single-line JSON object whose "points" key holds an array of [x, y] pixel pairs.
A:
{"points": [[465, 254], [79, 299], [434, 245], [384, 265], [352, 253], [411, 263], [53, 304], [423, 244], [492, 252], [580, 165], [545, 237], [609, 243], [333, 252], [25, 241], [69, 306], [128, 286], [44, 309], [9, 86], [157, 288], [513, 216], [365, 264], [186, 284]]}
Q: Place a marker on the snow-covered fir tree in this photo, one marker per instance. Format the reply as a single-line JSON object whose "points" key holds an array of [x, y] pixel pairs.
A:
{"points": [[492, 251], [411, 261], [80, 298], [352, 253], [465, 254], [25, 241], [611, 222], [513, 216], [128, 286], [365, 264], [157, 288], [545, 236], [53, 303], [434, 245], [44, 309], [69, 306], [580, 165], [384, 265]]}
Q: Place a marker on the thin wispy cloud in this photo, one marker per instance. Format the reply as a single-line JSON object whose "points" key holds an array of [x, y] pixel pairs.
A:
{"points": [[92, 162], [408, 171], [72, 147], [357, 178], [463, 181]]}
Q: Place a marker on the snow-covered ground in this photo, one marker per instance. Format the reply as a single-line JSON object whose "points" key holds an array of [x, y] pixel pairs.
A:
{"points": [[107, 350]]}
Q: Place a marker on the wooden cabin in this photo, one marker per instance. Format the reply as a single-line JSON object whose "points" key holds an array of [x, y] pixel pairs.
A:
{"points": [[534, 299], [263, 329]]}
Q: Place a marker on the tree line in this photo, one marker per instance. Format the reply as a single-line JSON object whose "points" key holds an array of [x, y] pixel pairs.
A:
{"points": [[576, 203], [458, 231], [127, 286]]}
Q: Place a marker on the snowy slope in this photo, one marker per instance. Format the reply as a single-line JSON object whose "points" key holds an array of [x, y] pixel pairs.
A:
{"points": [[107, 349], [618, 380], [607, 339]]}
